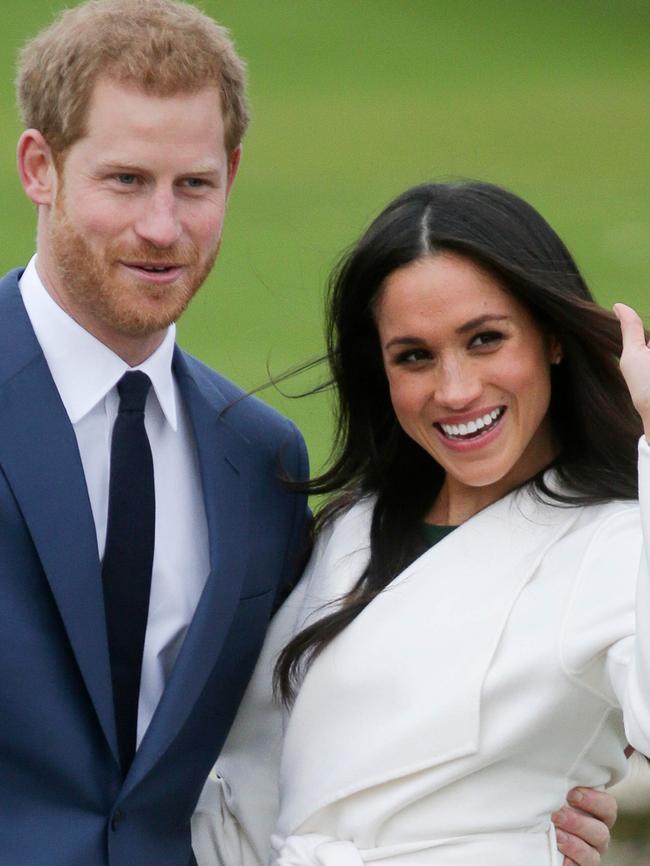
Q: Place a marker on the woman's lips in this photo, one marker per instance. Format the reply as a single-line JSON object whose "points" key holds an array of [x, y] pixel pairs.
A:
{"points": [[473, 432]]}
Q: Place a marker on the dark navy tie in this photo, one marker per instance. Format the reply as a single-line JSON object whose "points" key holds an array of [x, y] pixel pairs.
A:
{"points": [[128, 557]]}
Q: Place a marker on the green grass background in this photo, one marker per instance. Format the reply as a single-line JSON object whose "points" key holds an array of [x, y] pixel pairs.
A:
{"points": [[353, 101]]}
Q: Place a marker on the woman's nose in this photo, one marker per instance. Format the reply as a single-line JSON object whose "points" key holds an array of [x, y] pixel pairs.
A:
{"points": [[458, 386]]}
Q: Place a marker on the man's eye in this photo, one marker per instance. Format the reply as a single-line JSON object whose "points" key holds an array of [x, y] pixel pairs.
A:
{"points": [[195, 182], [487, 338], [126, 179]]}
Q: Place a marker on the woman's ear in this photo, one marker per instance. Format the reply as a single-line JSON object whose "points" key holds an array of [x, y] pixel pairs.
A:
{"points": [[36, 167], [555, 353]]}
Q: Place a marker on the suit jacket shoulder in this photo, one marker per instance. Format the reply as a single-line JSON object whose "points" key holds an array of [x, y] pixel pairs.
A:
{"points": [[261, 426]]}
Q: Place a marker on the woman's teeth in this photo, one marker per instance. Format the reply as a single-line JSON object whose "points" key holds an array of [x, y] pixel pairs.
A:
{"points": [[471, 428]]}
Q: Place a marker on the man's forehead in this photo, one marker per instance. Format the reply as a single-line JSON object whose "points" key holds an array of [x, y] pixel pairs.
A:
{"points": [[125, 118], [112, 100]]}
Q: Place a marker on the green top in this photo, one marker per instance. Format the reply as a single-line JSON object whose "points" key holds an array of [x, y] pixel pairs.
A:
{"points": [[433, 533]]}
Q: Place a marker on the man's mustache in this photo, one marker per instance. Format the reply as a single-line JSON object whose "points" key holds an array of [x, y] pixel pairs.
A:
{"points": [[179, 254]]}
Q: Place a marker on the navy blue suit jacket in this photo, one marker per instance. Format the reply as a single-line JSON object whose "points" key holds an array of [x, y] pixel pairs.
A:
{"points": [[62, 801]]}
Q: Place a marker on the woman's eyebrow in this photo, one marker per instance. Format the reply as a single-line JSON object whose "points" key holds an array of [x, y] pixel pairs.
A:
{"points": [[480, 320], [408, 340], [403, 341]]}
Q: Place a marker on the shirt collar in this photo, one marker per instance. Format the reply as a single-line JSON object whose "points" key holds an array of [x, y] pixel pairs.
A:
{"points": [[84, 369]]}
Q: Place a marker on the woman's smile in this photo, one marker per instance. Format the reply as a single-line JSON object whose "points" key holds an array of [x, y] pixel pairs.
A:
{"points": [[471, 430]]}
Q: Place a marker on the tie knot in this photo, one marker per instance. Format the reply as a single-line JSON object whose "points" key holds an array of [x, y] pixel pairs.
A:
{"points": [[133, 389]]}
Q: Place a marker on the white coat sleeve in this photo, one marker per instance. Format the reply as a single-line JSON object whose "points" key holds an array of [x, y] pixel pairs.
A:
{"points": [[613, 624], [605, 641], [238, 807], [629, 662]]}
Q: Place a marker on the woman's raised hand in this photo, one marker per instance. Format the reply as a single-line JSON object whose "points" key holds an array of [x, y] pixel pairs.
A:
{"points": [[635, 361]]}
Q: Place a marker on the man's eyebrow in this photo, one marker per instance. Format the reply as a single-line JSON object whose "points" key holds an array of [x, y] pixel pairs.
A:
{"points": [[124, 167], [201, 171], [134, 168]]}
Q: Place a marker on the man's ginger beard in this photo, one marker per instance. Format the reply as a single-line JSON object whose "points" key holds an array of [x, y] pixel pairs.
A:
{"points": [[96, 284]]}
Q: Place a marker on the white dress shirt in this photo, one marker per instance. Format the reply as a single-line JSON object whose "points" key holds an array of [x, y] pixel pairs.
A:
{"points": [[86, 372]]}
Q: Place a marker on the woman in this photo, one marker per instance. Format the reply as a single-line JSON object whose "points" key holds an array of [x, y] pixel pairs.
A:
{"points": [[462, 648]]}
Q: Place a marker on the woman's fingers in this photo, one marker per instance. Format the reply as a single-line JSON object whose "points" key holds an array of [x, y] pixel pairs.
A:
{"points": [[635, 361], [631, 327]]}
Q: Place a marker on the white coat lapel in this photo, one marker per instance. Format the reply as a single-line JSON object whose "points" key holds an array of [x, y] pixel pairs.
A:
{"points": [[400, 689]]}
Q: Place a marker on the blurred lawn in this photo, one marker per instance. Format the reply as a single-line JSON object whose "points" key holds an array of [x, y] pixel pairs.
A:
{"points": [[354, 100]]}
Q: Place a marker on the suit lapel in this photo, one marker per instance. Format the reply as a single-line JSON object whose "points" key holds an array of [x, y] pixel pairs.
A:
{"points": [[40, 458], [223, 461]]}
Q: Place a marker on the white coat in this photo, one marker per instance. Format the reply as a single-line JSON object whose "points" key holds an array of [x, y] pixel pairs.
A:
{"points": [[447, 722]]}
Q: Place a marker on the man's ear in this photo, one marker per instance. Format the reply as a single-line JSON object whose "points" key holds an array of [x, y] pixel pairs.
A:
{"points": [[233, 164], [36, 167]]}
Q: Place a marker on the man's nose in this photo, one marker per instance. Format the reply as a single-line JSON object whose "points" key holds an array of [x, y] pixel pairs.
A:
{"points": [[159, 223], [458, 385]]}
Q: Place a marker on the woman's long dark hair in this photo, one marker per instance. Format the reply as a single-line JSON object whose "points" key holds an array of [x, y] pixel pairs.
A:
{"points": [[591, 412]]}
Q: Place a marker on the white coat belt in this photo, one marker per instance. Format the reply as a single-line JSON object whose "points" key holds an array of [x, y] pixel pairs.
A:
{"points": [[535, 848]]}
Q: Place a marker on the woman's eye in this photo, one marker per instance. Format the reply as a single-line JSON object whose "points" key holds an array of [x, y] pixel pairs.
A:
{"points": [[487, 338], [412, 356]]}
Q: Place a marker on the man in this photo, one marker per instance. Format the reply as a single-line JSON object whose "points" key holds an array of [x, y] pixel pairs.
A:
{"points": [[134, 114], [145, 534]]}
